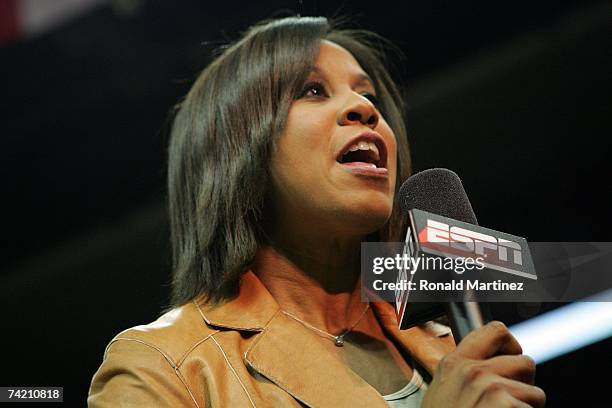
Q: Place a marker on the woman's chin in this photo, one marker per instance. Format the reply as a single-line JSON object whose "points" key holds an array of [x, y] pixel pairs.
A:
{"points": [[365, 219]]}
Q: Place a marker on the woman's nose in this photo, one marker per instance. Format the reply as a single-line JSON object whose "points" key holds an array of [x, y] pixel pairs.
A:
{"points": [[359, 110]]}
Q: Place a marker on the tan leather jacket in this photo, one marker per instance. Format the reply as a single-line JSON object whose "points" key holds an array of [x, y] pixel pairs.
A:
{"points": [[243, 353]]}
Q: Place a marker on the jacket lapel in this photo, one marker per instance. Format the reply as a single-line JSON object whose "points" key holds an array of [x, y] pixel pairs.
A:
{"points": [[298, 361], [423, 345]]}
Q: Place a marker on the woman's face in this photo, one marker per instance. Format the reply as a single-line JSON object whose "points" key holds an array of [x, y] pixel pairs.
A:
{"points": [[335, 165]]}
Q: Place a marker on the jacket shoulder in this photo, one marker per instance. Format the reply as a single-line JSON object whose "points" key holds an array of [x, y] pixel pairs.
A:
{"points": [[174, 334], [141, 364]]}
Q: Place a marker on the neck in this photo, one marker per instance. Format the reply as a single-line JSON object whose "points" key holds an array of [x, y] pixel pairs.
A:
{"points": [[316, 279]]}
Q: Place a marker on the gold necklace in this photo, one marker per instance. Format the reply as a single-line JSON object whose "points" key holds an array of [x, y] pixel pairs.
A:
{"points": [[339, 339]]}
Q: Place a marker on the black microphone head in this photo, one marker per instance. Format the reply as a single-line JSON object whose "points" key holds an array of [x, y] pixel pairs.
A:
{"points": [[437, 191]]}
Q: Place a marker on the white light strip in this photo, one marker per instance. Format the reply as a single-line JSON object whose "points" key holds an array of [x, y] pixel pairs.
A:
{"points": [[566, 329]]}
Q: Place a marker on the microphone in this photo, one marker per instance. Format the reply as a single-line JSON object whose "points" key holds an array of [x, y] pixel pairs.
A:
{"points": [[442, 223]]}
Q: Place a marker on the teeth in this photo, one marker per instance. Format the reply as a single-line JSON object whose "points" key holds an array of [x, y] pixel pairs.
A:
{"points": [[374, 149], [363, 145]]}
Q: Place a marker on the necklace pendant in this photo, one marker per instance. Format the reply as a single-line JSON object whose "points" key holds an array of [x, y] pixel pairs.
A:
{"points": [[339, 341]]}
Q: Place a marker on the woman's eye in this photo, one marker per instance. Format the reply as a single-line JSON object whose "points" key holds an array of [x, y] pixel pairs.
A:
{"points": [[313, 89]]}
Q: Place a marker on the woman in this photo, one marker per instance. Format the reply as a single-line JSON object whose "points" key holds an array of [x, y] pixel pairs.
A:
{"points": [[284, 157]]}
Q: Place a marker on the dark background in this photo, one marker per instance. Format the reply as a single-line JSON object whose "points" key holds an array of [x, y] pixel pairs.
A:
{"points": [[513, 96]]}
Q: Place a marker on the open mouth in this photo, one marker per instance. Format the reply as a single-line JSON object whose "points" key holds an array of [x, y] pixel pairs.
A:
{"points": [[368, 151]]}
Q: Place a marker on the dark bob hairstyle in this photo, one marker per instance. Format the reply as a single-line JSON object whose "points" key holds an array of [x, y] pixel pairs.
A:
{"points": [[224, 133]]}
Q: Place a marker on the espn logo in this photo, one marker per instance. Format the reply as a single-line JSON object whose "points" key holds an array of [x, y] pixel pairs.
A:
{"points": [[462, 241]]}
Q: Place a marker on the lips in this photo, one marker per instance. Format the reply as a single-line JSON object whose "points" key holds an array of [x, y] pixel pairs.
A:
{"points": [[364, 154]]}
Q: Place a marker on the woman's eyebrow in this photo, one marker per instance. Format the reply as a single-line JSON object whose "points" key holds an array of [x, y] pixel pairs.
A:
{"points": [[361, 78], [365, 78], [317, 71]]}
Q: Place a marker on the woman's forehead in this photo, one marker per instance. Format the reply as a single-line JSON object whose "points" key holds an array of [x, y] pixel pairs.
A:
{"points": [[333, 58]]}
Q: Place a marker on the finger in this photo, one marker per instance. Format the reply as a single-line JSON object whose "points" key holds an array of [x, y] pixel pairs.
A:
{"points": [[501, 399], [520, 368], [498, 386], [492, 339]]}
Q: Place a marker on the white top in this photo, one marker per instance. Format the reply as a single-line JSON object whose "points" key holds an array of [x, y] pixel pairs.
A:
{"points": [[411, 396]]}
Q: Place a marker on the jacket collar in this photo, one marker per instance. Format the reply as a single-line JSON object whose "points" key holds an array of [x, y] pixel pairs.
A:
{"points": [[251, 310], [297, 361]]}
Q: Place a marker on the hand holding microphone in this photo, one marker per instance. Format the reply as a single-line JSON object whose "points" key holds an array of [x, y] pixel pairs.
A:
{"points": [[487, 369]]}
